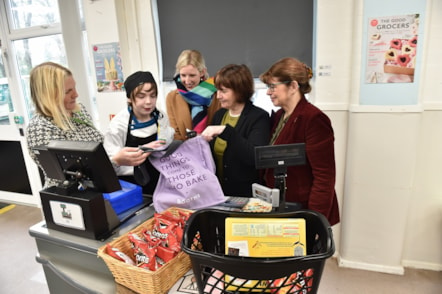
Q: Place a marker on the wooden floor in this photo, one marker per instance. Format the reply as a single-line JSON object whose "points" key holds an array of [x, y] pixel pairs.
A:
{"points": [[21, 274]]}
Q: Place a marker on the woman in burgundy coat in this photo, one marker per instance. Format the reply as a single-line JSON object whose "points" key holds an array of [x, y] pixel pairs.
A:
{"points": [[298, 121]]}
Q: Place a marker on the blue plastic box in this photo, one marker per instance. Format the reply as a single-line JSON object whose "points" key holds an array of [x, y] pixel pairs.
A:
{"points": [[128, 197]]}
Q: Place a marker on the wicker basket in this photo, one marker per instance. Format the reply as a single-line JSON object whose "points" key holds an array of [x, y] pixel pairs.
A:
{"points": [[142, 280]]}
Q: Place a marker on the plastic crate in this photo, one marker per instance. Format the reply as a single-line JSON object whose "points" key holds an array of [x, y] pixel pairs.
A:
{"points": [[205, 229], [128, 197]]}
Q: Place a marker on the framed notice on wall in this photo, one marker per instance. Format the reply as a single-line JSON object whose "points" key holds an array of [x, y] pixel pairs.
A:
{"points": [[392, 49]]}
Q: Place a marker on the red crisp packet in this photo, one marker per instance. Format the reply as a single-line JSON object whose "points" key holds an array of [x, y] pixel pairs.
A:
{"points": [[179, 220], [144, 254], [165, 230], [115, 253], [150, 239], [145, 257], [134, 240], [179, 231], [184, 215], [166, 254], [160, 262]]}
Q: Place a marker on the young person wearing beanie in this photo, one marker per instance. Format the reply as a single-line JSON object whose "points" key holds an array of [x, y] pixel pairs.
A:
{"points": [[140, 124]]}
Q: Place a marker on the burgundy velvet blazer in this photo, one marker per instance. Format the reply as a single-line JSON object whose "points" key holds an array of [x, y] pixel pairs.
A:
{"points": [[312, 184]]}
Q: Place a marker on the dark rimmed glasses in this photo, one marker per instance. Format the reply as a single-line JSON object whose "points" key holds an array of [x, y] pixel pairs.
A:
{"points": [[272, 87]]}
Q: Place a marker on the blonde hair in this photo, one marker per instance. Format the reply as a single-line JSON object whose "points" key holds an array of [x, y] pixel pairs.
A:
{"points": [[191, 57], [47, 85]]}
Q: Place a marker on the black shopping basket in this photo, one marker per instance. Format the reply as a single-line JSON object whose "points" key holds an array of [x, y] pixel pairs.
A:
{"points": [[204, 242]]}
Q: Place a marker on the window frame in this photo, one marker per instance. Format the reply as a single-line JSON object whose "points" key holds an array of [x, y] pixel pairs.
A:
{"points": [[72, 32], [71, 28]]}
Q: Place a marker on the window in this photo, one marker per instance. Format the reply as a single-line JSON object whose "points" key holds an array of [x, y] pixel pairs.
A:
{"points": [[31, 34], [33, 51], [27, 14], [5, 96]]}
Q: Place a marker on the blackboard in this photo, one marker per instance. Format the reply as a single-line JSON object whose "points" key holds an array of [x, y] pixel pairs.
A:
{"points": [[253, 32]]}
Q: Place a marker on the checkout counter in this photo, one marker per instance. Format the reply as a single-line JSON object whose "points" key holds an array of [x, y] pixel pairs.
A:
{"points": [[69, 239], [70, 262], [86, 210]]}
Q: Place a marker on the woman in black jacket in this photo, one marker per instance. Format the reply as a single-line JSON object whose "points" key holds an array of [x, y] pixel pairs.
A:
{"points": [[236, 129]]}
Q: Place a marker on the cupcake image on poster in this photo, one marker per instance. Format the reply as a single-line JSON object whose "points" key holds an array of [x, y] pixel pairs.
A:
{"points": [[400, 57]]}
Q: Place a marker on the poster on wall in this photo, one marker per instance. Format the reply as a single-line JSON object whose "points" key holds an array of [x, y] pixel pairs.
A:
{"points": [[108, 68], [391, 52]]}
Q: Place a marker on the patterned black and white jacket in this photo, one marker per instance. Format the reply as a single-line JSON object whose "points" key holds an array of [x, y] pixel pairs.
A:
{"points": [[41, 130]]}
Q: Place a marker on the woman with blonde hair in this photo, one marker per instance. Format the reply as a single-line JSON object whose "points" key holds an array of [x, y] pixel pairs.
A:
{"points": [[191, 106], [57, 116]]}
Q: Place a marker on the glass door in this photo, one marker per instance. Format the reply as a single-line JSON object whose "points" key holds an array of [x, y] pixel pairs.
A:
{"points": [[30, 33]]}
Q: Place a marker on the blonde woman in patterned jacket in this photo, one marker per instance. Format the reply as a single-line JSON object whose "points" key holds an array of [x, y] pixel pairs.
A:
{"points": [[58, 116]]}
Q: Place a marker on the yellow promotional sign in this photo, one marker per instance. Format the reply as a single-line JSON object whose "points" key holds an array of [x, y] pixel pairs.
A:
{"points": [[263, 237]]}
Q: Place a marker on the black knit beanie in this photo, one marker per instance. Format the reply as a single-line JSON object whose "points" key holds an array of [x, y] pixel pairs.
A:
{"points": [[136, 79]]}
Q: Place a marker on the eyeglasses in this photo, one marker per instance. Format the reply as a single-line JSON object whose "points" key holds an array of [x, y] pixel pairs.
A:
{"points": [[272, 87]]}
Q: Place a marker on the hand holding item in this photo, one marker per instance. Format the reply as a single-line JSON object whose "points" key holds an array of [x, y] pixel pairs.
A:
{"points": [[165, 134], [212, 132], [130, 156], [154, 145]]}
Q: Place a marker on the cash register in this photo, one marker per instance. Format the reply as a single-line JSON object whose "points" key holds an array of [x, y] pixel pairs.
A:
{"points": [[278, 158], [81, 203]]}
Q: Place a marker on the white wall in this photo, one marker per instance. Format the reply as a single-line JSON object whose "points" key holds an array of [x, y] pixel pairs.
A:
{"points": [[424, 219], [388, 159], [331, 93], [102, 27]]}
